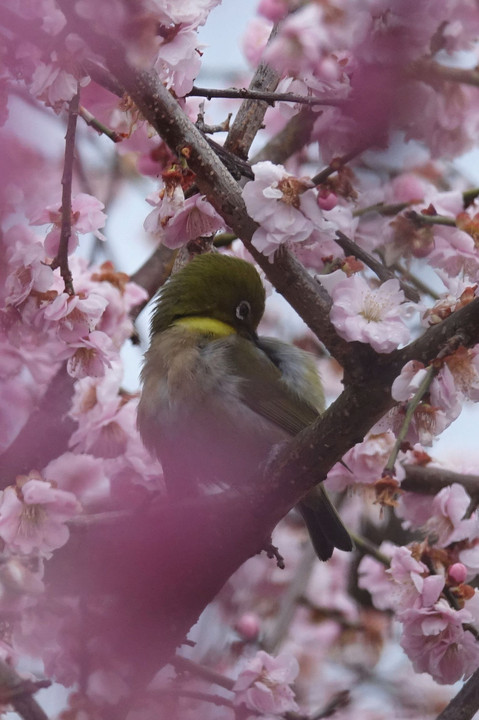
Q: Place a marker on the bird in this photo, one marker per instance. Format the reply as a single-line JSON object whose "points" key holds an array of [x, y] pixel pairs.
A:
{"points": [[217, 398]]}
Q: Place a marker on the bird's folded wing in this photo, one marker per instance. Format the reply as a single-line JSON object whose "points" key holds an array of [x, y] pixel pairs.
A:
{"points": [[262, 388]]}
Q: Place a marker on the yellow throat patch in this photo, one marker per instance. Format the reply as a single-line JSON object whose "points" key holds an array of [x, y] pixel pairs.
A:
{"points": [[206, 325]]}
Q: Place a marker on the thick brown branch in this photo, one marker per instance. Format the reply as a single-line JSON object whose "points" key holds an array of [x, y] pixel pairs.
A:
{"points": [[292, 138], [152, 274], [465, 704], [17, 692], [430, 479], [249, 117]]}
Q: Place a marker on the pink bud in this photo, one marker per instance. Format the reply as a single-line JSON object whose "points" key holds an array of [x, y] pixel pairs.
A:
{"points": [[457, 572], [248, 626], [273, 10], [327, 201]]}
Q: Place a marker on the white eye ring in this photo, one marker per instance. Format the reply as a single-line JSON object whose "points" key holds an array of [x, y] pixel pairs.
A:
{"points": [[243, 310]]}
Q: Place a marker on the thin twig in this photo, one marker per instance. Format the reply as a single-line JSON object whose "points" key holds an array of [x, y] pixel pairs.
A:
{"points": [[381, 208], [336, 164], [411, 408], [184, 665], [269, 97], [383, 273], [368, 548], [414, 280], [61, 258], [421, 219], [197, 695], [340, 700], [97, 125]]}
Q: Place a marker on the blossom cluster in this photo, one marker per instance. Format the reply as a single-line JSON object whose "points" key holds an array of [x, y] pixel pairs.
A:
{"points": [[438, 636]]}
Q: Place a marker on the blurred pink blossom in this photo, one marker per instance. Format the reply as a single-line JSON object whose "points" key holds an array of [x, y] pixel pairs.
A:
{"points": [[299, 45], [94, 353], [195, 218], [27, 269], [255, 39], [33, 517], [86, 216], [264, 684], [75, 316]]}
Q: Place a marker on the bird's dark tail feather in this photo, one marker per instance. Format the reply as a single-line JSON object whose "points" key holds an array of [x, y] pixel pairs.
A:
{"points": [[324, 524]]}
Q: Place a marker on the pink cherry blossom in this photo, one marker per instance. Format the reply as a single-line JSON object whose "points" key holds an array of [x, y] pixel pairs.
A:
{"points": [[373, 577], [285, 207], [178, 12], [87, 216], [179, 60], [436, 642], [447, 522], [414, 586], [298, 46], [32, 518], [255, 39], [365, 462], [470, 558], [92, 356], [414, 509], [464, 367], [75, 316], [408, 382], [264, 684], [373, 316], [193, 218], [27, 269], [53, 85], [81, 475]]}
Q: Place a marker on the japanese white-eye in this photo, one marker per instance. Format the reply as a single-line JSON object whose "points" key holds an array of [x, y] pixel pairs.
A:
{"points": [[216, 397]]}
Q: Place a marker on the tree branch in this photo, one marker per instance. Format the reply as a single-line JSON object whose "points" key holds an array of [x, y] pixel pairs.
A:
{"points": [[376, 266], [429, 70], [61, 258], [249, 117], [430, 479], [269, 97], [17, 692], [465, 704]]}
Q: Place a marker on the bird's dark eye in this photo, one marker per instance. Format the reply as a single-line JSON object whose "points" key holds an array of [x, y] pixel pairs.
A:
{"points": [[243, 310]]}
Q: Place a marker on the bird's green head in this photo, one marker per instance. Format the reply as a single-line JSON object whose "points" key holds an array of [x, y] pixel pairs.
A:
{"points": [[219, 287]]}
